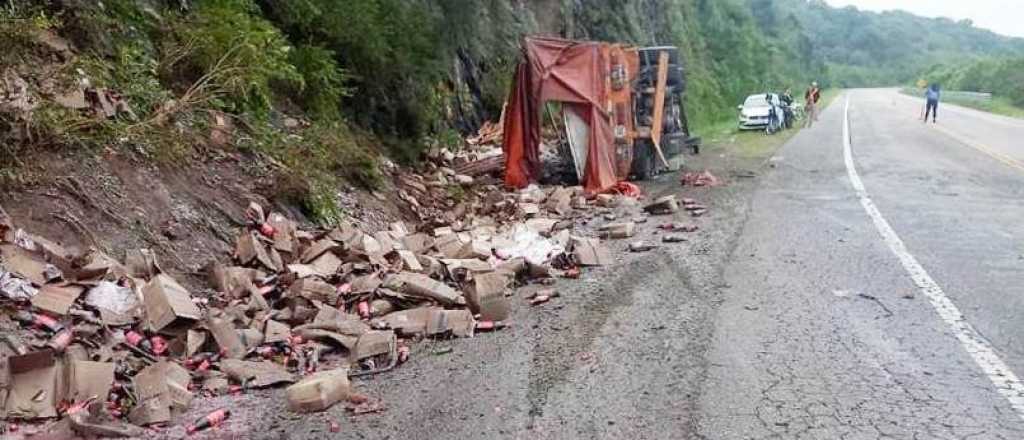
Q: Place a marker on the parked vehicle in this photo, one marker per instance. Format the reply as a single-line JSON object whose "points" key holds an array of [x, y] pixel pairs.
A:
{"points": [[763, 111]]}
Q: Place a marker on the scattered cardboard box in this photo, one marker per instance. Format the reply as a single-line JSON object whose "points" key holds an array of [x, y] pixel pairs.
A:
{"points": [[318, 248], [409, 322], [57, 299], [237, 282], [275, 332], [160, 388], [319, 391], [314, 289], [479, 249], [327, 264], [88, 379], [417, 242], [663, 206], [227, 337], [256, 374], [169, 307], [424, 286], [410, 262], [590, 252], [618, 230], [458, 323], [33, 388], [375, 342], [559, 202], [485, 295], [24, 263]]}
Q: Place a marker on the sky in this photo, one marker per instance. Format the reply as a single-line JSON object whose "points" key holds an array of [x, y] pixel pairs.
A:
{"points": [[1001, 16]]}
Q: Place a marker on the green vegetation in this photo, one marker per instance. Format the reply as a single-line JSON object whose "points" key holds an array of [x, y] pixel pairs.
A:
{"points": [[877, 49], [394, 76], [1002, 77]]}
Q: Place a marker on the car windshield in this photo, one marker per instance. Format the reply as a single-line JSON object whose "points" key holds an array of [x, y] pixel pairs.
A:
{"points": [[755, 101]]}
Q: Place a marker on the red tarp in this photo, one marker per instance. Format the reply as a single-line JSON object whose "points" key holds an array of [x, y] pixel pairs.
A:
{"points": [[573, 73]]}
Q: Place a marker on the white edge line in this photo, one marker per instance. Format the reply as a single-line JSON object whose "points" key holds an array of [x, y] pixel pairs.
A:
{"points": [[1005, 381]]}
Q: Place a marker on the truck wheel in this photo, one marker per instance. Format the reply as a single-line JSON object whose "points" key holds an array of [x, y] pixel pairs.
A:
{"points": [[643, 161]]}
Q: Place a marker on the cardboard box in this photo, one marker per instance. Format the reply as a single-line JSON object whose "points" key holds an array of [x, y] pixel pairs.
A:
{"points": [[250, 248], [485, 295], [454, 265], [314, 289], [57, 299], [449, 245], [227, 337], [409, 322], [423, 286], [479, 249], [409, 261], [590, 252], [159, 388], [366, 283], [169, 307], [417, 243], [376, 342], [34, 385], [387, 244], [24, 263], [663, 206], [618, 230], [559, 202], [256, 374], [87, 379], [319, 391], [237, 282], [275, 331], [543, 226], [318, 248], [459, 323], [327, 264]]}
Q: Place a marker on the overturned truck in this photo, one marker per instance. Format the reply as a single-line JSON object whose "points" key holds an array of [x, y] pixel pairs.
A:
{"points": [[623, 112]]}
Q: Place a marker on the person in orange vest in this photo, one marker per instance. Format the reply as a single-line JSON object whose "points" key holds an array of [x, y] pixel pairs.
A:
{"points": [[812, 96]]}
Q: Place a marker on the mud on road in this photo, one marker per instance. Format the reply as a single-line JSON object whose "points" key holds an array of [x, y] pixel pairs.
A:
{"points": [[620, 353]]}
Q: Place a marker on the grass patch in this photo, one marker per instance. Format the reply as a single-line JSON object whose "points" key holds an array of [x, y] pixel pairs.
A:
{"points": [[316, 162], [997, 105]]}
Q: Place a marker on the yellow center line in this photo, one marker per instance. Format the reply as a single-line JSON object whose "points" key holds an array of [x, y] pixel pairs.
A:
{"points": [[1007, 160]]}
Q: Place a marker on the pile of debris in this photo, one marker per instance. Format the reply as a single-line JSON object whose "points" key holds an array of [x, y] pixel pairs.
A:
{"points": [[108, 346]]}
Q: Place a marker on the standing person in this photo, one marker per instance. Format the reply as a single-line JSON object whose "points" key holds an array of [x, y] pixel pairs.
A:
{"points": [[787, 107], [811, 97], [932, 108]]}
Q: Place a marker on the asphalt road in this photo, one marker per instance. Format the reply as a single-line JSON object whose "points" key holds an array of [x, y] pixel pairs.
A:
{"points": [[792, 314], [824, 333]]}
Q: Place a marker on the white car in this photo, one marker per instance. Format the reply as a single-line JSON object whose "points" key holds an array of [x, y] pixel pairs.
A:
{"points": [[756, 112]]}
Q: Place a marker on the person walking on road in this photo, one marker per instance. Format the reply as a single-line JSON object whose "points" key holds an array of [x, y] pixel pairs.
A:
{"points": [[811, 97], [932, 95]]}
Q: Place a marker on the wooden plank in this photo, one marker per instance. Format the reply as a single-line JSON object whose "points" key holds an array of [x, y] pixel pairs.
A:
{"points": [[659, 105]]}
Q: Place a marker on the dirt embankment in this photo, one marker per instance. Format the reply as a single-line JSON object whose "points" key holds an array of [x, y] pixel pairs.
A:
{"points": [[188, 214]]}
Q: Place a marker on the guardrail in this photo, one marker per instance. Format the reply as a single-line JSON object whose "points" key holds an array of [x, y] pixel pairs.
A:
{"points": [[977, 96]]}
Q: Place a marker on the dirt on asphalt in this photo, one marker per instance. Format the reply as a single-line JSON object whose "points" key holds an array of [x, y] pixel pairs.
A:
{"points": [[620, 353]]}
